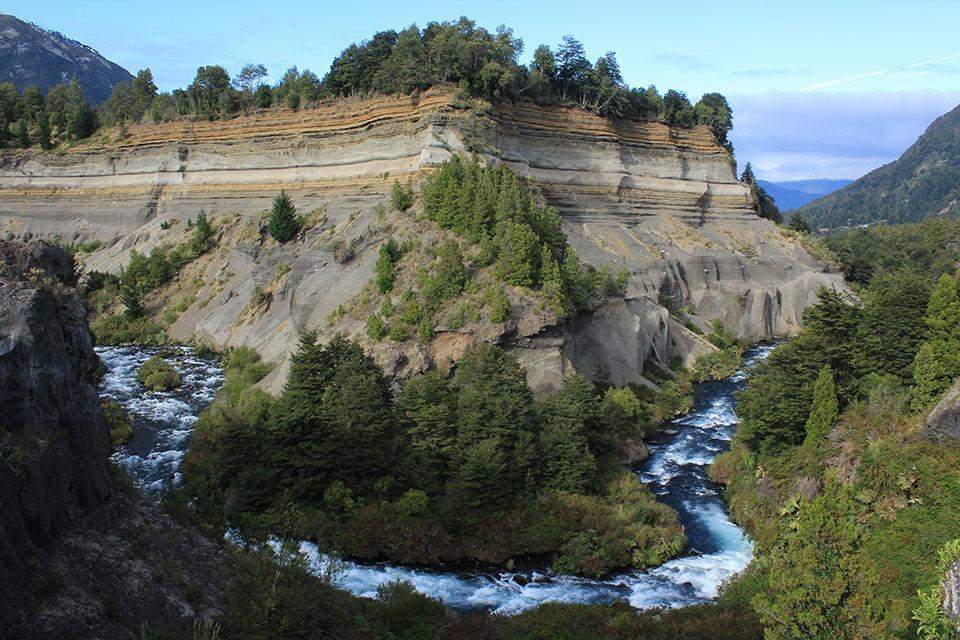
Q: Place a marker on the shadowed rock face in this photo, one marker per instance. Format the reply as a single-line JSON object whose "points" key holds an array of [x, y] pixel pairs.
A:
{"points": [[54, 442], [662, 204], [943, 423]]}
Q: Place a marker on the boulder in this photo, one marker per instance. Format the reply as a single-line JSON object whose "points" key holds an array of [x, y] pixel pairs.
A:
{"points": [[943, 423]]}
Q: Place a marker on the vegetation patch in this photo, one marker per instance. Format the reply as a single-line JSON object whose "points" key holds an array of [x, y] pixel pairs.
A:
{"points": [[464, 467], [158, 375]]}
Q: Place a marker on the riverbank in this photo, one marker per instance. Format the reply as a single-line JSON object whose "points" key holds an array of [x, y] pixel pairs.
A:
{"points": [[675, 472]]}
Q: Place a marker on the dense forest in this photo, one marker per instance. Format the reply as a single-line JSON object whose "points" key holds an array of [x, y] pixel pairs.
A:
{"points": [[828, 471], [482, 63]]}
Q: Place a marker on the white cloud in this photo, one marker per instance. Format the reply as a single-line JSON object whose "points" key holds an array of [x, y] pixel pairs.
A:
{"points": [[796, 135]]}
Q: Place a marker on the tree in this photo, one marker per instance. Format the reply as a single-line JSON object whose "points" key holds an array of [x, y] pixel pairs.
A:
{"points": [[43, 132], [249, 76], [937, 362], [207, 87], [493, 409], [676, 110], [763, 203], [566, 419], [714, 111], [83, 122], [824, 411], [264, 97], [891, 325], [943, 310], [552, 281], [429, 405], [935, 367], [572, 64], [389, 254], [130, 295], [284, 222], [33, 102], [23, 135], [799, 224]]}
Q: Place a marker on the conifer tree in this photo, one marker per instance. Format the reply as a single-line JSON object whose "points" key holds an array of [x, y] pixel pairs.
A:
{"points": [[130, 296], [937, 362], [824, 411], [43, 131], [943, 310], [284, 222]]}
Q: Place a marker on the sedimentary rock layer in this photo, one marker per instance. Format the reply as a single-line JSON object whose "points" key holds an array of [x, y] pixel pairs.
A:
{"points": [[662, 203]]}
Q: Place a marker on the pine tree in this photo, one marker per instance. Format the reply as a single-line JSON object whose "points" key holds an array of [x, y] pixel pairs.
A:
{"points": [[284, 223], [824, 411], [130, 296]]}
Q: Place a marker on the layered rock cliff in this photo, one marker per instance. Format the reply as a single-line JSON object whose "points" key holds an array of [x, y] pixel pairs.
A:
{"points": [[660, 203]]}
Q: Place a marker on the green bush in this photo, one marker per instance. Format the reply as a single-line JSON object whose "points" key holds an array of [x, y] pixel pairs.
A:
{"points": [[121, 329], [401, 198], [157, 374], [117, 422]]}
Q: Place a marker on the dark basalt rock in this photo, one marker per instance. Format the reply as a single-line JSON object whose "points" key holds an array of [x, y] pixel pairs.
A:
{"points": [[54, 442], [943, 423]]}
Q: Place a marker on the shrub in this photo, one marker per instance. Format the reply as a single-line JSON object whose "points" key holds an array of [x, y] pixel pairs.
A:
{"points": [[401, 198], [376, 329], [122, 329], [413, 503], [157, 374], [117, 422]]}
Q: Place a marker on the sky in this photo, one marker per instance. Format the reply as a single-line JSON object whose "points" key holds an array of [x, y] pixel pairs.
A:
{"points": [[820, 89]]}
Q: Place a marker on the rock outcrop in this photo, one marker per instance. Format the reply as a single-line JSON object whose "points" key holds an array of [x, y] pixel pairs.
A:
{"points": [[54, 442], [81, 554], [943, 423], [663, 204]]}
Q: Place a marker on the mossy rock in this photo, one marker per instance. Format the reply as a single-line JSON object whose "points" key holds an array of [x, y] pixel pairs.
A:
{"points": [[157, 374]]}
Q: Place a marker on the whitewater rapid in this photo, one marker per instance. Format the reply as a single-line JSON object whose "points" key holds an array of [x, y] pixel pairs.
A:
{"points": [[675, 471], [162, 421]]}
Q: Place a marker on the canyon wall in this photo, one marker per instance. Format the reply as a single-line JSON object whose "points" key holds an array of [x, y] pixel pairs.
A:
{"points": [[663, 204], [54, 441]]}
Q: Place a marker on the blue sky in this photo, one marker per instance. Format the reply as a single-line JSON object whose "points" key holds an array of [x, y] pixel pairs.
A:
{"points": [[819, 89]]}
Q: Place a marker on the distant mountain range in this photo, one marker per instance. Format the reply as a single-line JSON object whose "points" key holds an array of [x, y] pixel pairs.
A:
{"points": [[32, 55], [793, 194], [923, 182]]}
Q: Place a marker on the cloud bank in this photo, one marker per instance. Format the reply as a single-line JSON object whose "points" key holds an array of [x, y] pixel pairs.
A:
{"points": [[797, 135]]}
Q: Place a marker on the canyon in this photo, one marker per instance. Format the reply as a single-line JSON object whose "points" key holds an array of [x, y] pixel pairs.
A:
{"points": [[660, 203]]}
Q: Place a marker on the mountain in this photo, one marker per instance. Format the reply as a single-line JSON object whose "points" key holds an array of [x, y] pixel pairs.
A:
{"points": [[793, 194], [32, 55], [924, 181]]}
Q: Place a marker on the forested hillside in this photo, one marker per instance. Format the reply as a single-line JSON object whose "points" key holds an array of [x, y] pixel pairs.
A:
{"points": [[829, 469], [924, 181]]}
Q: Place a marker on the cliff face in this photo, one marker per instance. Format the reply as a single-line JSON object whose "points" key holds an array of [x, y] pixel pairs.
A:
{"points": [[54, 442], [661, 203]]}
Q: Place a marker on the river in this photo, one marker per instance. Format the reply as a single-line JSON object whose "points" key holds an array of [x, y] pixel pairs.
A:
{"points": [[675, 471]]}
